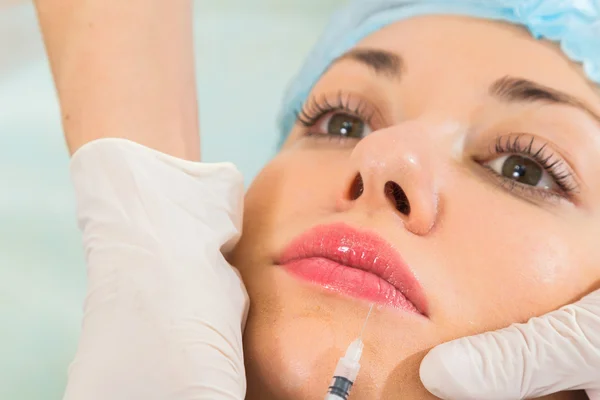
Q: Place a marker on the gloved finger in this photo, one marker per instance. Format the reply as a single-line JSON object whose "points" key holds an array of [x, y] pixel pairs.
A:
{"points": [[556, 352]]}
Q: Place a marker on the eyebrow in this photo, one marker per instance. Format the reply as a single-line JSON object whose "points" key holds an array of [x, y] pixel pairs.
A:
{"points": [[516, 90], [508, 88], [380, 61]]}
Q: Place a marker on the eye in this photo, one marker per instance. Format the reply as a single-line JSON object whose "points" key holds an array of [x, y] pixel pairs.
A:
{"points": [[523, 170], [345, 125]]}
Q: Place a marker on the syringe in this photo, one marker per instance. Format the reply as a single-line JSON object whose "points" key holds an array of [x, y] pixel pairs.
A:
{"points": [[347, 368]]}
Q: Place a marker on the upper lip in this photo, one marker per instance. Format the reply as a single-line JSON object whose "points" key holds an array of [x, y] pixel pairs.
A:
{"points": [[361, 250]]}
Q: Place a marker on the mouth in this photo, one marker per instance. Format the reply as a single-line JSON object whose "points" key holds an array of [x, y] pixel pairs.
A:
{"points": [[355, 263]]}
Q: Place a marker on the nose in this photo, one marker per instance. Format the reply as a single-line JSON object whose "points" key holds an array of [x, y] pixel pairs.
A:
{"points": [[394, 169]]}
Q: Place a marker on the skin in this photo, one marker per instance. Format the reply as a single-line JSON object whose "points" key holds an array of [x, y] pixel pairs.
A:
{"points": [[124, 70], [486, 255]]}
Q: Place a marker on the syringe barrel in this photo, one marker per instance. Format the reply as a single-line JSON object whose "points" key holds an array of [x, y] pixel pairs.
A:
{"points": [[343, 379], [346, 372], [347, 369]]}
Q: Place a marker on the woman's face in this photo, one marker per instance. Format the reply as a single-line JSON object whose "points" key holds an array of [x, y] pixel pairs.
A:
{"points": [[467, 146]]}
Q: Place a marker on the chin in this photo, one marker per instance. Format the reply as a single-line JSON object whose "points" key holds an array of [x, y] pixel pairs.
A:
{"points": [[296, 333]]}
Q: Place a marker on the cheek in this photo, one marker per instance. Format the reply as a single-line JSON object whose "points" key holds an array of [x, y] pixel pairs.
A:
{"points": [[507, 260], [294, 187], [294, 192]]}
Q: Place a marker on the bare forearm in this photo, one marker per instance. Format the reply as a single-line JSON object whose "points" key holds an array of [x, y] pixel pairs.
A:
{"points": [[124, 68]]}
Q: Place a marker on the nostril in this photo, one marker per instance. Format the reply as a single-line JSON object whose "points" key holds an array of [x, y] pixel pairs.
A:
{"points": [[394, 192], [357, 188]]}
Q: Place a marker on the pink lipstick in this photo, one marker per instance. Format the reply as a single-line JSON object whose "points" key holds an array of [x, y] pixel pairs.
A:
{"points": [[355, 263]]}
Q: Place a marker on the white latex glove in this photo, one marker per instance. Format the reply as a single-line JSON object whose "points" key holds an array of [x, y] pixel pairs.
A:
{"points": [[559, 351], [164, 311]]}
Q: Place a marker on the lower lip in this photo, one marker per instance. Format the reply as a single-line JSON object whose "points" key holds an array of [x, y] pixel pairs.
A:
{"points": [[350, 281]]}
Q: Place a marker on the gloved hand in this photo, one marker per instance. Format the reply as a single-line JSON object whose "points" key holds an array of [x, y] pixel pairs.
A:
{"points": [[164, 312], [556, 352]]}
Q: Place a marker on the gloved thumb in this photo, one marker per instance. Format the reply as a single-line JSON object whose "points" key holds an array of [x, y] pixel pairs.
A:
{"points": [[549, 354]]}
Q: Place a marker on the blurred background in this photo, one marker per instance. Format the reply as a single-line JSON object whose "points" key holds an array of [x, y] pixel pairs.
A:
{"points": [[246, 51]]}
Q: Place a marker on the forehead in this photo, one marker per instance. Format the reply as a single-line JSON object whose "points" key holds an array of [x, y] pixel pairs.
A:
{"points": [[457, 51]]}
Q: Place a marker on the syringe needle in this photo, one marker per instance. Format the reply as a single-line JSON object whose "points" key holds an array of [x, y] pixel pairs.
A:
{"points": [[366, 320]]}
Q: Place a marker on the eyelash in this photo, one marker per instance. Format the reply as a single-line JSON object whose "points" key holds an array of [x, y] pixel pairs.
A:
{"points": [[544, 156], [317, 108]]}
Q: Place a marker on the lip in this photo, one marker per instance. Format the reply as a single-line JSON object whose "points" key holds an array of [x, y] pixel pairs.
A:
{"points": [[356, 263]]}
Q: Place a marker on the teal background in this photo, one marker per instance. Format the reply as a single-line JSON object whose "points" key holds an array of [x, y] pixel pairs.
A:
{"points": [[246, 51]]}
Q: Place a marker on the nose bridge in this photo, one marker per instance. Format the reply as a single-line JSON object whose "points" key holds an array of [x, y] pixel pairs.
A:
{"points": [[404, 157], [391, 150], [405, 152]]}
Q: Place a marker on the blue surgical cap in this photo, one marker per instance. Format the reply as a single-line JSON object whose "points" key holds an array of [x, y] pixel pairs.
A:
{"points": [[574, 24]]}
